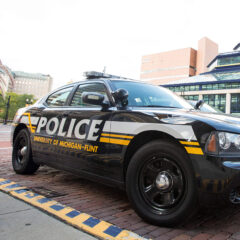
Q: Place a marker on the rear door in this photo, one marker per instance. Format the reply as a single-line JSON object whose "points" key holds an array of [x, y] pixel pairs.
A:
{"points": [[46, 131]]}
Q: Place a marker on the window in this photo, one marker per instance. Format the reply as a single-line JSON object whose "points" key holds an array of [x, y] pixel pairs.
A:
{"points": [[59, 98], [221, 86], [144, 95], [90, 87], [177, 89], [192, 88], [216, 100], [181, 88], [228, 60], [235, 85], [191, 97], [235, 103]]}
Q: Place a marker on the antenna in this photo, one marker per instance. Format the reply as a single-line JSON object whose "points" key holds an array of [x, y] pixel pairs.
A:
{"points": [[104, 69]]}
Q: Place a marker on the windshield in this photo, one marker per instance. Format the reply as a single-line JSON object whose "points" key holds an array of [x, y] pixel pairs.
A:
{"points": [[146, 95]]}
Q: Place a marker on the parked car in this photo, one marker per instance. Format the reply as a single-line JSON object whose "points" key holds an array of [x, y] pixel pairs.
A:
{"points": [[138, 137]]}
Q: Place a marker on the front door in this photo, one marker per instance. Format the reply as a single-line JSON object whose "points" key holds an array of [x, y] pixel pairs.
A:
{"points": [[79, 147]]}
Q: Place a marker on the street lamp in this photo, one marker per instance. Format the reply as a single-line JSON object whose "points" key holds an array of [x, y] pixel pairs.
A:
{"points": [[29, 101]]}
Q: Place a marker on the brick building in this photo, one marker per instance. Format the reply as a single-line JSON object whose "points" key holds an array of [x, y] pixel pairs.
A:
{"points": [[160, 68]]}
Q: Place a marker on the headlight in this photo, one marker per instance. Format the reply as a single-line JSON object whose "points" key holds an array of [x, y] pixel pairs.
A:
{"points": [[223, 142], [237, 142]]}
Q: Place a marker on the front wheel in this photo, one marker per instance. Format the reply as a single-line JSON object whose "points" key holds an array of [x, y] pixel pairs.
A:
{"points": [[22, 161], [160, 183]]}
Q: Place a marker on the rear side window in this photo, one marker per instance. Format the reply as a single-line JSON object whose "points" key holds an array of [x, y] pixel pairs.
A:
{"points": [[90, 87], [59, 98]]}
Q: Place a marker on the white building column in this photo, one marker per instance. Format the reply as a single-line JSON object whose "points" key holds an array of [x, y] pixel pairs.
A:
{"points": [[200, 97], [228, 103]]}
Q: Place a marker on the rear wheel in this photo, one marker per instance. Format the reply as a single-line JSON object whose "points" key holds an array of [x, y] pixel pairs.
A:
{"points": [[22, 161], [161, 184]]}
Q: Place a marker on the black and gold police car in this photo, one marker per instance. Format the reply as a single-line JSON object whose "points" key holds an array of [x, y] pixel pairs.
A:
{"points": [[168, 156]]}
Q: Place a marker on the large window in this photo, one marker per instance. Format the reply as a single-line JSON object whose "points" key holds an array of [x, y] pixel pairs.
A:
{"points": [[206, 87], [216, 100], [228, 60], [235, 103], [90, 87], [184, 88]]}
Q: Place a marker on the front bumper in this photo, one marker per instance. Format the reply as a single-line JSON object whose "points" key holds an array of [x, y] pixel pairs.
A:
{"points": [[216, 177], [231, 164]]}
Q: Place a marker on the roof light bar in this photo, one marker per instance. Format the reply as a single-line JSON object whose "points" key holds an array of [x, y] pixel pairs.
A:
{"points": [[95, 74]]}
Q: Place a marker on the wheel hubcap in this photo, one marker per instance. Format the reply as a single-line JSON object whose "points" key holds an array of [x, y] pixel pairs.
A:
{"points": [[163, 181], [23, 151]]}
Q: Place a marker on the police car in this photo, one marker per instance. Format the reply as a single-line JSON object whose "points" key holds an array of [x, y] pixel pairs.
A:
{"points": [[168, 156]]}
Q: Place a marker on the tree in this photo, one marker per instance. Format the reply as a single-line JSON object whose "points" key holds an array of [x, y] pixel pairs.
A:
{"points": [[3, 83], [17, 101]]}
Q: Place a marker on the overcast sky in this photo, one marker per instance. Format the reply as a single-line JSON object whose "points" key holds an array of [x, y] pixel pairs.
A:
{"points": [[64, 38]]}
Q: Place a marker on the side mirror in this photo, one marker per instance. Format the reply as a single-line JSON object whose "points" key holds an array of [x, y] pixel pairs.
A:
{"points": [[199, 104], [94, 98], [121, 95]]}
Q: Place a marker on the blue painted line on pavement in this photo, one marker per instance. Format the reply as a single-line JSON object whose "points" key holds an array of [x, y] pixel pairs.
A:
{"points": [[73, 214], [44, 200], [91, 222], [57, 207], [113, 231]]}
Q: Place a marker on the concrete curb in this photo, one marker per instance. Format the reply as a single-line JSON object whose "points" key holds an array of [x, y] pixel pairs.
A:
{"points": [[83, 221]]}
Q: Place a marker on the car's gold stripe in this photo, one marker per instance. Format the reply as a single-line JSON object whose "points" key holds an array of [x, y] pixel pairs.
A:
{"points": [[29, 121], [33, 127], [189, 143], [115, 141], [194, 150], [116, 135]]}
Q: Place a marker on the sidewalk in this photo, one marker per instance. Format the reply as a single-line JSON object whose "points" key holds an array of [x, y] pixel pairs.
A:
{"points": [[21, 221]]}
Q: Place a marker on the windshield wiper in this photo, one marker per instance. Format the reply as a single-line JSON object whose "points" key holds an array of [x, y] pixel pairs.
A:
{"points": [[156, 106]]}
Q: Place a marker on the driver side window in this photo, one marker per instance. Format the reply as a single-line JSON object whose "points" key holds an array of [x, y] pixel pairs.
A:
{"points": [[89, 87]]}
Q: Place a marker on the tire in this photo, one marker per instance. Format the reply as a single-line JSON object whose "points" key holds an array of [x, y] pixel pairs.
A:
{"points": [[22, 160], [161, 185]]}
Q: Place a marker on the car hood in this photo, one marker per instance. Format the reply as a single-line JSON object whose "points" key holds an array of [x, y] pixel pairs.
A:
{"points": [[219, 121]]}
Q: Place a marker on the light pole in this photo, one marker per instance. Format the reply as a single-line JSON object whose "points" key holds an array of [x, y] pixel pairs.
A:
{"points": [[28, 102], [7, 108]]}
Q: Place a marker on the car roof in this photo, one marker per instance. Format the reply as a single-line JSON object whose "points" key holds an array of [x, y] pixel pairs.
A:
{"points": [[99, 76]]}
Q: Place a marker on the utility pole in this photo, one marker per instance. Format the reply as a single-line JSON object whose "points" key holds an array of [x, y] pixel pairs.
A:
{"points": [[7, 108]]}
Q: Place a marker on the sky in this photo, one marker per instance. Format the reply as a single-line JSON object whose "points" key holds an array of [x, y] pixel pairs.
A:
{"points": [[64, 38]]}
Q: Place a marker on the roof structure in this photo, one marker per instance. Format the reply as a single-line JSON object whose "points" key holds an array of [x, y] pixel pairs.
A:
{"points": [[30, 75], [222, 55], [236, 47]]}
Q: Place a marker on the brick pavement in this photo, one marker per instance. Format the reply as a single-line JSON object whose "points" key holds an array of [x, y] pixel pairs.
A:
{"points": [[112, 205]]}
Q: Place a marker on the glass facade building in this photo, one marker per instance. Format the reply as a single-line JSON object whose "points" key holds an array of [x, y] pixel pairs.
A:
{"points": [[220, 87]]}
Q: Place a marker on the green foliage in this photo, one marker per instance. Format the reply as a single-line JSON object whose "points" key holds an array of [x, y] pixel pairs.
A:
{"points": [[16, 101]]}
